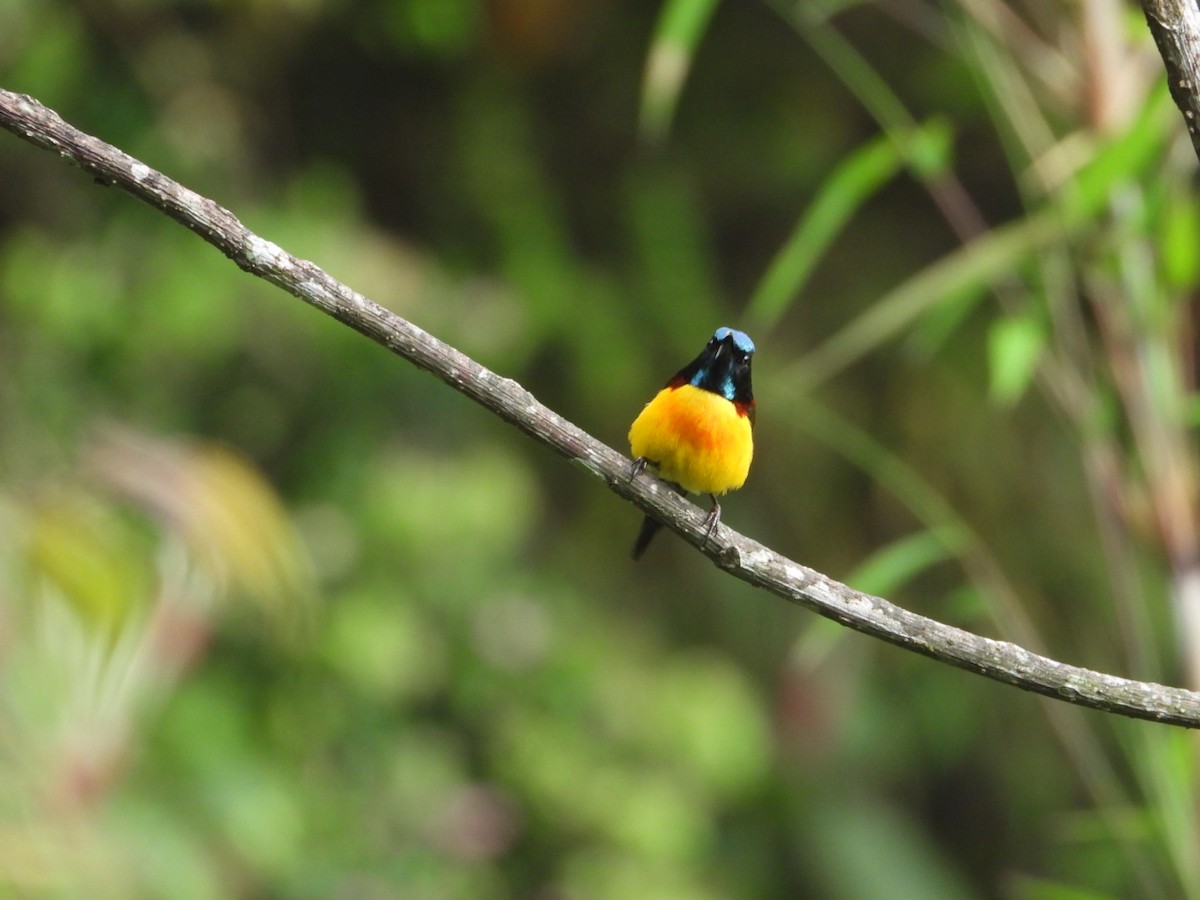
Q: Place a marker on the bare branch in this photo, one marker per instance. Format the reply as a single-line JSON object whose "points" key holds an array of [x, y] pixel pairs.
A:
{"points": [[1175, 25], [742, 557]]}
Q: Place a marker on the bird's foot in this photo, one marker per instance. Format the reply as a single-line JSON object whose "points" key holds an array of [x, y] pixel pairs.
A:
{"points": [[711, 521], [639, 466]]}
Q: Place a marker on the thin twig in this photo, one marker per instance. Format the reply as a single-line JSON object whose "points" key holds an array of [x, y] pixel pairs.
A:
{"points": [[742, 557]]}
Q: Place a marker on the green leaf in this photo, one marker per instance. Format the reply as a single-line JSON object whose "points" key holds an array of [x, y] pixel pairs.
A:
{"points": [[1179, 240], [929, 149], [1014, 349]]}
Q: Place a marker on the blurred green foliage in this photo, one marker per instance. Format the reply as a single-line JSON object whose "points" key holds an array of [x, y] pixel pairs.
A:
{"points": [[281, 616]]}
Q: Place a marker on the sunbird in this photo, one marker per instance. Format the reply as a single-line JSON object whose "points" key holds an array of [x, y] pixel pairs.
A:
{"points": [[698, 430]]}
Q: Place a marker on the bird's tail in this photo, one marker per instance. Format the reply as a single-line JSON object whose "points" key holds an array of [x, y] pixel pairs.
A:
{"points": [[650, 526]]}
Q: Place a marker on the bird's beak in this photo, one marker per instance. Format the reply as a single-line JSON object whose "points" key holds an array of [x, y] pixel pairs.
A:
{"points": [[723, 349]]}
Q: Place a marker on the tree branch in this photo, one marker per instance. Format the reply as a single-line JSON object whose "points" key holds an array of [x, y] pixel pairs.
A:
{"points": [[1175, 25], [746, 559]]}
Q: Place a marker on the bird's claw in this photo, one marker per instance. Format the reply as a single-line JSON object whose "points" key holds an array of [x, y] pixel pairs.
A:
{"points": [[711, 521]]}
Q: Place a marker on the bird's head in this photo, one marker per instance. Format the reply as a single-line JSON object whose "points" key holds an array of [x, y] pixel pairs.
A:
{"points": [[723, 367]]}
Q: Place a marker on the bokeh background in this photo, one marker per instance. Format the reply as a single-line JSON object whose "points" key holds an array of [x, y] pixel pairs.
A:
{"points": [[281, 616]]}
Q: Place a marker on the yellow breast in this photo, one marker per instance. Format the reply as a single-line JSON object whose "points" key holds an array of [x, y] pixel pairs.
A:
{"points": [[697, 439]]}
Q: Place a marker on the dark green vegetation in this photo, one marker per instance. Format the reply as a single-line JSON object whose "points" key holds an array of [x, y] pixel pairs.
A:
{"points": [[282, 616]]}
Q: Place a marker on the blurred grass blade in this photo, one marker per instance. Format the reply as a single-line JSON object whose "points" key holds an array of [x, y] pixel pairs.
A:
{"points": [[871, 849], [673, 244], [963, 274], [1121, 158], [1164, 762], [1033, 887], [681, 25], [924, 148], [862, 173], [953, 276], [871, 88], [906, 484], [893, 566]]}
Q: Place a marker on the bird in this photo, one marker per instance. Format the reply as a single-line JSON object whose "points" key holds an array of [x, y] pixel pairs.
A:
{"points": [[698, 430]]}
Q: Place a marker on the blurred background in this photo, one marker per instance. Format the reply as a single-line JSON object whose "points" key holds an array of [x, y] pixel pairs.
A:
{"points": [[282, 616]]}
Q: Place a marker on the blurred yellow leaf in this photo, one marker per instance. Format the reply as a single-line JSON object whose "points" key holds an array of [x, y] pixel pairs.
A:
{"points": [[88, 553], [228, 516]]}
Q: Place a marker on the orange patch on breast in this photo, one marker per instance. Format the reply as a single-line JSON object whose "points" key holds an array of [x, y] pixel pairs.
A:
{"points": [[698, 439]]}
